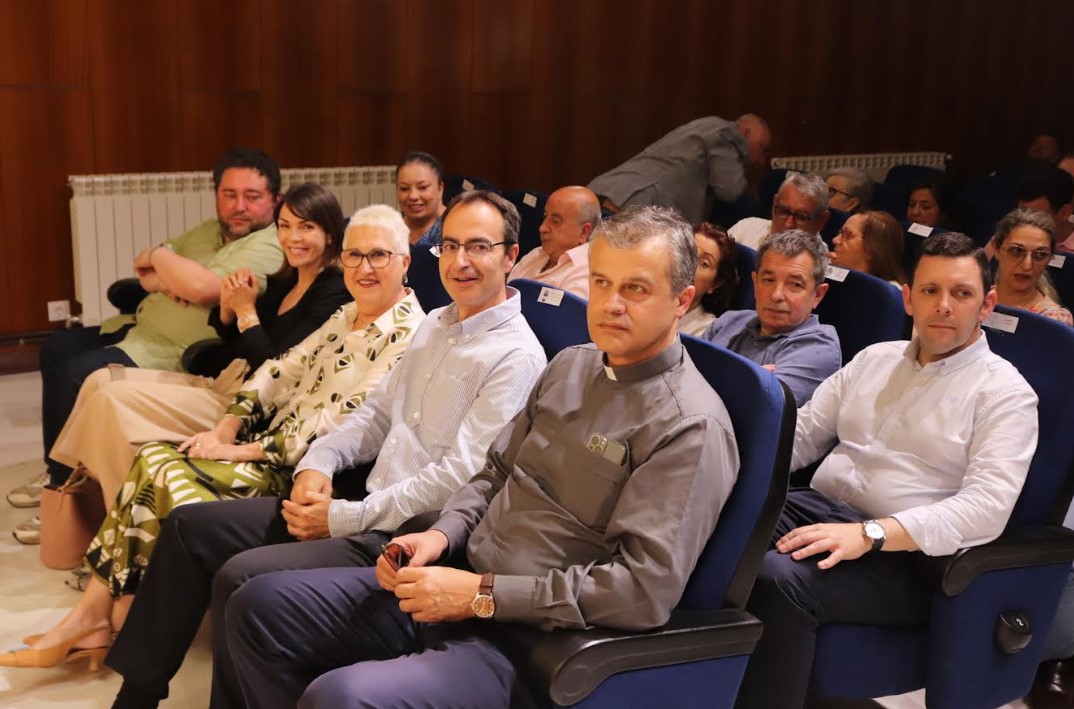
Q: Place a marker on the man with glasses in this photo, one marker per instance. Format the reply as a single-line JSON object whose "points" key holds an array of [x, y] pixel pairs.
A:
{"points": [[427, 426], [801, 203], [782, 334], [851, 190], [592, 509]]}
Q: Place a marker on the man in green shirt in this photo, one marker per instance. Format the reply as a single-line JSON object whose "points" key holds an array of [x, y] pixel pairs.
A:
{"points": [[183, 277]]}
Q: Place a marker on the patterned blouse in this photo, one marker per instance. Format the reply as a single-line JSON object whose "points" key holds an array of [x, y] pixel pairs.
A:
{"points": [[307, 390], [1050, 309]]}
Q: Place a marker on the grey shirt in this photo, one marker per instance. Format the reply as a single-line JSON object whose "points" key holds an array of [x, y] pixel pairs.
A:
{"points": [[804, 356], [431, 420], [577, 538], [678, 169]]}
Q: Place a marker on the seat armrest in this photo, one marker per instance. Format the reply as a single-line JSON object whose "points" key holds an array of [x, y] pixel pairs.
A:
{"points": [[570, 664], [1016, 548], [125, 294]]}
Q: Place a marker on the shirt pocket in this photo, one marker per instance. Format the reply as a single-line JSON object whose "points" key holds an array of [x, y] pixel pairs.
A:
{"points": [[592, 487]]}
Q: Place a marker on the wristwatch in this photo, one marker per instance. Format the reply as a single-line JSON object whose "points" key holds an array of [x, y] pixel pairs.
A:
{"points": [[874, 532], [484, 605], [245, 322]]}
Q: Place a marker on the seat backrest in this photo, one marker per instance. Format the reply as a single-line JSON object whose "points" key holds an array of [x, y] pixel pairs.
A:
{"points": [[906, 175], [836, 219], [457, 184], [891, 199], [983, 202], [766, 190], [762, 414], [745, 263], [530, 206], [912, 241], [863, 309], [424, 278], [1062, 275], [725, 214], [556, 317], [1042, 350]]}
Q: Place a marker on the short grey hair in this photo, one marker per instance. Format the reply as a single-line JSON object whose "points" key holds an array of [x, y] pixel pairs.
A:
{"points": [[792, 242], [859, 184], [812, 186], [636, 224], [385, 218], [1026, 217]]}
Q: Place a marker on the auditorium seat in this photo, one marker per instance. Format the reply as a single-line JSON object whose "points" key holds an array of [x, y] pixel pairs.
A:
{"points": [[836, 219], [913, 236], [558, 322], [984, 201], [424, 278], [530, 206], [891, 199], [726, 214], [1063, 277], [863, 309], [903, 176], [993, 604], [745, 263], [766, 191], [697, 658], [456, 184]]}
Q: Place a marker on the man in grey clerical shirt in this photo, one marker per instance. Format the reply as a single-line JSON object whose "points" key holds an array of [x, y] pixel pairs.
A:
{"points": [[782, 334], [467, 372], [592, 509]]}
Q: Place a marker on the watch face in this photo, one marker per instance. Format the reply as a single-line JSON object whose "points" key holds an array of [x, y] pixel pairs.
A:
{"points": [[873, 530], [483, 605]]}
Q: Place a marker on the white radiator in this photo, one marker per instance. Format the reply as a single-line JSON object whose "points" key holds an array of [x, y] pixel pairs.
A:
{"points": [[115, 217], [875, 165]]}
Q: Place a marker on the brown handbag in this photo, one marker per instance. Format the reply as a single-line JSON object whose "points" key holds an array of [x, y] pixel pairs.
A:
{"points": [[70, 516]]}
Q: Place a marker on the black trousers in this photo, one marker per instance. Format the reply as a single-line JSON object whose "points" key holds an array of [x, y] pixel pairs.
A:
{"points": [[205, 553], [67, 358], [794, 598]]}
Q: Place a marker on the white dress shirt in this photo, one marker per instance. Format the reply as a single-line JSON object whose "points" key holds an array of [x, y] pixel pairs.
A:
{"points": [[750, 231], [432, 419], [570, 274], [944, 448]]}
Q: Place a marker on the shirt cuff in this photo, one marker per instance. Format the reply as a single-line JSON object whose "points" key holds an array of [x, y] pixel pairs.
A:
{"points": [[344, 518], [514, 599], [452, 527], [933, 533]]}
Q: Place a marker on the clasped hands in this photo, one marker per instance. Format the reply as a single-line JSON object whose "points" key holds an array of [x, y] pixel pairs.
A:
{"points": [[238, 292], [430, 594]]}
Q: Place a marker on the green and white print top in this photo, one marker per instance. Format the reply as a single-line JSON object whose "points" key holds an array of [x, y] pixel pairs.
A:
{"points": [[311, 387]]}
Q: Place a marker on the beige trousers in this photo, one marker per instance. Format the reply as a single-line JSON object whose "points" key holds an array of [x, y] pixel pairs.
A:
{"points": [[121, 408]]}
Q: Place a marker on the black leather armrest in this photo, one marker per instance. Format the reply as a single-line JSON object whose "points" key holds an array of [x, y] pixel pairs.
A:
{"points": [[571, 664], [206, 358], [1015, 549], [125, 294]]}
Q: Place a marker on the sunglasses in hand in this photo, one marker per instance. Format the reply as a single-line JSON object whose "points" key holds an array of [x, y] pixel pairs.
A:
{"points": [[395, 555]]}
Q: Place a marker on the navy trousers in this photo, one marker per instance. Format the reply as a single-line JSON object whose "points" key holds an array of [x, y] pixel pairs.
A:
{"points": [[332, 638], [794, 598], [206, 552], [67, 358]]}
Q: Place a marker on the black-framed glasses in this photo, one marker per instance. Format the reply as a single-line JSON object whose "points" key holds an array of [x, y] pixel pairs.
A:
{"points": [[783, 213], [378, 258], [473, 249], [1017, 252], [839, 191]]}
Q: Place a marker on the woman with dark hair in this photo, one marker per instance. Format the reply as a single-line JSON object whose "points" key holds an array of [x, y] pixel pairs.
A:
{"points": [[715, 281], [419, 187], [1024, 243], [929, 203], [282, 408], [119, 409], [871, 242]]}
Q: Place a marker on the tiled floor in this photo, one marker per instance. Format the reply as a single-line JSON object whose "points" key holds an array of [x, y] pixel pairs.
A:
{"points": [[32, 597]]}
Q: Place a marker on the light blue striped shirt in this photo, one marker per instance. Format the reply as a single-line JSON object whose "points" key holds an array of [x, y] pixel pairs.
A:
{"points": [[431, 421]]}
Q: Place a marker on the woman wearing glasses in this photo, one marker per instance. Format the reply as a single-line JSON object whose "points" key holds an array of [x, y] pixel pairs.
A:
{"points": [[1025, 242], [279, 411], [871, 242]]}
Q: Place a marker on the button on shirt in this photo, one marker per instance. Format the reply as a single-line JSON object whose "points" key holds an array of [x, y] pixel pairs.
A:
{"points": [[570, 274], [433, 417], [942, 448], [804, 356]]}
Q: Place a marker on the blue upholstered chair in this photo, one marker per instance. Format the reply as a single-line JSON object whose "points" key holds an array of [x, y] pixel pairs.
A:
{"points": [[906, 175], [745, 263], [699, 657], [891, 199], [424, 278], [766, 190], [556, 325], [455, 184], [1063, 278], [992, 604], [836, 219], [727, 214], [983, 202], [864, 310], [530, 206], [911, 244]]}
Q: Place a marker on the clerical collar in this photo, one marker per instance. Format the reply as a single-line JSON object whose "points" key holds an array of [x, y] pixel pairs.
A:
{"points": [[657, 364]]}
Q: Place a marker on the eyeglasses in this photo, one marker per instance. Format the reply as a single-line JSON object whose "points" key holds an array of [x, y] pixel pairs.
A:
{"points": [[474, 249], [846, 234], [378, 258], [1017, 252], [800, 218], [838, 191]]}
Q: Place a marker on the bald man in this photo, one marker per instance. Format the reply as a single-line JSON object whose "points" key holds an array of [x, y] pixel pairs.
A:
{"points": [[706, 158], [570, 215]]}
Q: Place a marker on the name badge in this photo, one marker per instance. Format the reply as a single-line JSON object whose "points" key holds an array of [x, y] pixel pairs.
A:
{"points": [[1057, 261], [607, 448], [1001, 321], [836, 273], [550, 296], [919, 229]]}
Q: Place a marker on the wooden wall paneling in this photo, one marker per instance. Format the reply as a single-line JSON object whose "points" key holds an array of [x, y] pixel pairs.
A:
{"points": [[43, 42], [44, 137], [133, 47], [503, 46], [215, 122], [439, 81], [299, 94], [221, 45], [372, 129], [372, 36]]}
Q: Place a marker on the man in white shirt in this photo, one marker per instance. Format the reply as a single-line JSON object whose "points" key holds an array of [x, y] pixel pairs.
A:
{"points": [[800, 203], [570, 216], [933, 439]]}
